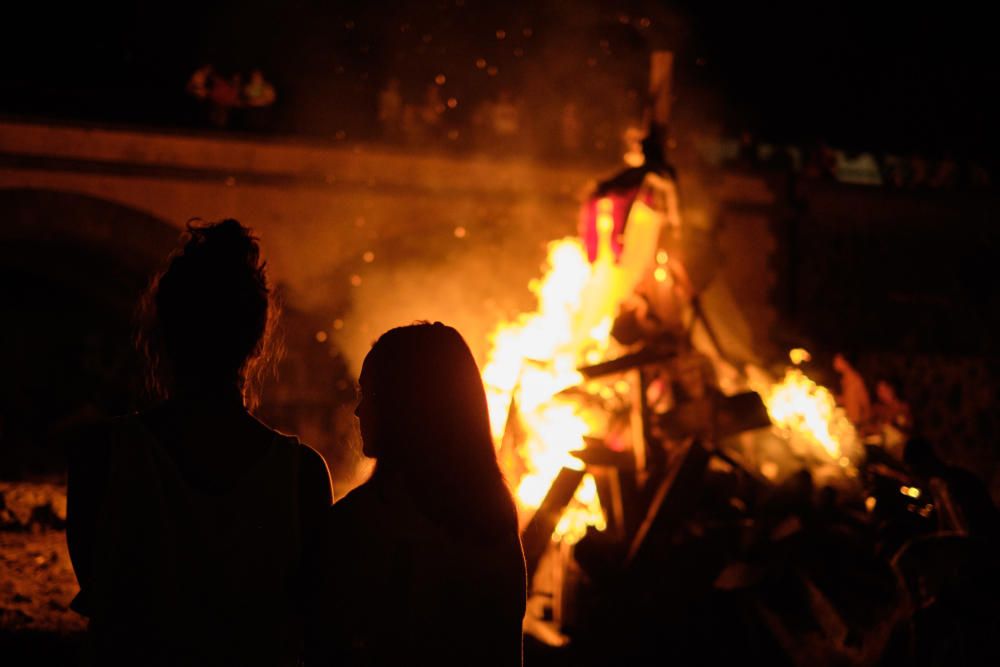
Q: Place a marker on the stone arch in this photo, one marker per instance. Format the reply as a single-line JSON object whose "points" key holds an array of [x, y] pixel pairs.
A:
{"points": [[77, 240], [72, 268]]}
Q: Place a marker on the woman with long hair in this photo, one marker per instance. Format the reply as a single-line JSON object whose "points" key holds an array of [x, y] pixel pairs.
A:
{"points": [[188, 521], [422, 564]]}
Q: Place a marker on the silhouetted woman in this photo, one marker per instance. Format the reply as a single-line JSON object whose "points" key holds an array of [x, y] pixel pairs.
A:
{"points": [[421, 565], [187, 522]]}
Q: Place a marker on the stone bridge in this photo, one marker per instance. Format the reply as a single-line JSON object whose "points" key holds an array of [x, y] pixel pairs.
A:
{"points": [[365, 237]]}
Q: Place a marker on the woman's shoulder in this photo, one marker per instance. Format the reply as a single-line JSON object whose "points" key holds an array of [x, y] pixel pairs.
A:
{"points": [[315, 486], [314, 472], [354, 529], [312, 465], [363, 501]]}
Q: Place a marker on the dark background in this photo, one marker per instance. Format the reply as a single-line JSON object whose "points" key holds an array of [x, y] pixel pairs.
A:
{"points": [[857, 75]]}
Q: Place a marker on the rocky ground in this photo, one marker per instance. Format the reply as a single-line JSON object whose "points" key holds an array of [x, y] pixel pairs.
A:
{"points": [[37, 583]]}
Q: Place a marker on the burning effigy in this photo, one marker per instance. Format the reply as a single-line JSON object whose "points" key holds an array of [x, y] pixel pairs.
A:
{"points": [[601, 398]]}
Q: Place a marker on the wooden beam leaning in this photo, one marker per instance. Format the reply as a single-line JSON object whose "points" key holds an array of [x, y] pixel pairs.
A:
{"points": [[536, 535]]}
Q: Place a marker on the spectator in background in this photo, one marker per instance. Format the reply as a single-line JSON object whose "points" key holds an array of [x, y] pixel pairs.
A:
{"points": [[258, 92], [891, 416], [200, 82], [853, 394], [258, 98], [224, 96]]}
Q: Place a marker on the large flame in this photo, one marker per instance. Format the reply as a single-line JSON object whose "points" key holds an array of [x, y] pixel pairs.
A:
{"points": [[534, 358]]}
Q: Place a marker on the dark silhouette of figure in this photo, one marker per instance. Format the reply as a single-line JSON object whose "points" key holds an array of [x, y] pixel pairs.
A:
{"points": [[422, 564], [853, 393], [187, 522]]}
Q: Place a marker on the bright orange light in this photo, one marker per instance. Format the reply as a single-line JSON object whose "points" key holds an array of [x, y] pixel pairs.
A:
{"points": [[534, 358], [807, 414]]}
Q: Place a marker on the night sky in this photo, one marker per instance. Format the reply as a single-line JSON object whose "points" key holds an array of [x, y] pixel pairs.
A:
{"points": [[900, 80]]}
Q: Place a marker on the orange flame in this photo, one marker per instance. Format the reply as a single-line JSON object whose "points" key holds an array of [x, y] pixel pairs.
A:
{"points": [[806, 413], [535, 357]]}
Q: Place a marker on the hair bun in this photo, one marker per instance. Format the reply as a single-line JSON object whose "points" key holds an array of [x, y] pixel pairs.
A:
{"points": [[225, 242]]}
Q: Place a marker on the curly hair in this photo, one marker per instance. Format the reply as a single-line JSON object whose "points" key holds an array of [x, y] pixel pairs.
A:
{"points": [[210, 316]]}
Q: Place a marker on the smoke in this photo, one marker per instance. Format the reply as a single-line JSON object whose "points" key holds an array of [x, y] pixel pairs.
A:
{"points": [[466, 258], [470, 275]]}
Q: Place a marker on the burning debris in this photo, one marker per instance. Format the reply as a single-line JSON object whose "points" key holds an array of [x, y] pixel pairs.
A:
{"points": [[614, 423]]}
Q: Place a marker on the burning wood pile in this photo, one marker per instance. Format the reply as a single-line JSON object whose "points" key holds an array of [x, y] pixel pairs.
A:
{"points": [[652, 475], [669, 496], [614, 423], [601, 430]]}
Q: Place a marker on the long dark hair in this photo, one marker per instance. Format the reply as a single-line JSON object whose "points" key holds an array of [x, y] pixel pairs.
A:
{"points": [[434, 430], [210, 315]]}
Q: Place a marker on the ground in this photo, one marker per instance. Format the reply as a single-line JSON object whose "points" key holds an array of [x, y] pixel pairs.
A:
{"points": [[37, 582]]}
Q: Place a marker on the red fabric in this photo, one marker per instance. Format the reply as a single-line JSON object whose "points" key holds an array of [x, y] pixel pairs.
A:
{"points": [[621, 206]]}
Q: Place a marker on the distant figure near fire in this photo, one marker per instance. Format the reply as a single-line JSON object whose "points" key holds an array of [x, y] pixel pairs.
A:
{"points": [[853, 393], [187, 522], [421, 565]]}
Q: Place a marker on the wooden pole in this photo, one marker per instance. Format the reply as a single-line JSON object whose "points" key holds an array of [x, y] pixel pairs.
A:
{"points": [[661, 70]]}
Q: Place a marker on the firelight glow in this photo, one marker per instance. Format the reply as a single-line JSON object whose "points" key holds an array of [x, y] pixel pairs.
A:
{"points": [[807, 412], [534, 359]]}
